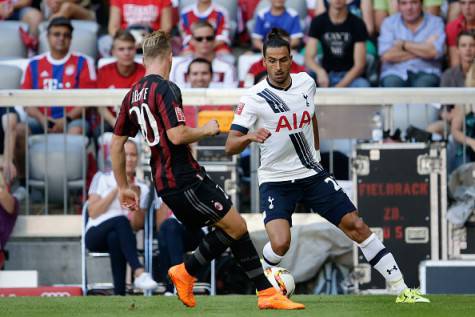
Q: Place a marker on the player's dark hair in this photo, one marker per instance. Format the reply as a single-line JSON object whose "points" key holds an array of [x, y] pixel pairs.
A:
{"points": [[275, 39], [200, 60]]}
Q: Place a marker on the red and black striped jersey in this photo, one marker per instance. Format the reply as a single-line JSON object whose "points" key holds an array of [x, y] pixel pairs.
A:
{"points": [[153, 106]]}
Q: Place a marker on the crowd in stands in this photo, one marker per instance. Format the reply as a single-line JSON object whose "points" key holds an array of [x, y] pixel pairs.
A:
{"points": [[340, 43]]}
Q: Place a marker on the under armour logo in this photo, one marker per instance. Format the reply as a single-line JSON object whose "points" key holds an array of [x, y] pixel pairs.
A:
{"points": [[394, 268], [306, 99], [270, 200]]}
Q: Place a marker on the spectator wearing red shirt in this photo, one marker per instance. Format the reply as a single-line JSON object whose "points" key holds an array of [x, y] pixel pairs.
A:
{"points": [[121, 74], [257, 70], [205, 10], [465, 22], [152, 14], [58, 69]]}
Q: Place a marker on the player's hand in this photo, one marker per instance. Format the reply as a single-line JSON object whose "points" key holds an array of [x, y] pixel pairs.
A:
{"points": [[259, 136], [211, 127], [129, 199], [322, 79]]}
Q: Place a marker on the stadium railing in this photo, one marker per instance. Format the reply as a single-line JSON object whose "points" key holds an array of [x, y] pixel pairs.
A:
{"points": [[395, 103]]}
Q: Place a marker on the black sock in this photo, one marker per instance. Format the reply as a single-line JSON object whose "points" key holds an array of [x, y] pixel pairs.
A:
{"points": [[245, 252], [215, 243]]}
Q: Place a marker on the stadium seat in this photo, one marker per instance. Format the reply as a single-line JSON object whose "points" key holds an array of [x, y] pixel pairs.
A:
{"points": [[11, 77], [85, 254], [84, 41], [21, 63], [12, 45], [57, 162]]}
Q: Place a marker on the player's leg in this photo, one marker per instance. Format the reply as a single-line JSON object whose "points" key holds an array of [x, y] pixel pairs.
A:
{"points": [[380, 258], [231, 231], [327, 197], [277, 201], [245, 252], [278, 231]]}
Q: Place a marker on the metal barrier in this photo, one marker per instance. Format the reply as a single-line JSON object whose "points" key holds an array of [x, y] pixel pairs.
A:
{"points": [[390, 101]]}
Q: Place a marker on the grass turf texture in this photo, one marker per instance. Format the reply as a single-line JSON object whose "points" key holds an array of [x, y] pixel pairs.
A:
{"points": [[223, 306]]}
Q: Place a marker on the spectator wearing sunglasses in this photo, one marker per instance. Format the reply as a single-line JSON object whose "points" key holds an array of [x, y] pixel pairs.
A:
{"points": [[205, 10], [204, 41]]}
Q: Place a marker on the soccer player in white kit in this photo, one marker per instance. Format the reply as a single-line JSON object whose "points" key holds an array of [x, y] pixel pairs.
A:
{"points": [[279, 114]]}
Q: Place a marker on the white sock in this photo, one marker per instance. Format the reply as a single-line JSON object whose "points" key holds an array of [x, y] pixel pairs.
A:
{"points": [[383, 261], [270, 257]]}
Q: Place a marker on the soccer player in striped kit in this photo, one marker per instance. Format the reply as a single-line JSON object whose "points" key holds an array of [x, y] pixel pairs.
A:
{"points": [[154, 107], [279, 114]]}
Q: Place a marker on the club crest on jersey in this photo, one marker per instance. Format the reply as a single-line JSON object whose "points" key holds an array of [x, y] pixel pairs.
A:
{"points": [[180, 116], [294, 122], [70, 70], [239, 108], [306, 100]]}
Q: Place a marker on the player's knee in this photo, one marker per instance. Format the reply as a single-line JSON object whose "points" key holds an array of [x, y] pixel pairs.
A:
{"points": [[359, 230], [280, 245]]}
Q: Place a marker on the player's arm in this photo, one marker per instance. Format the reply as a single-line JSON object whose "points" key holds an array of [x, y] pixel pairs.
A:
{"points": [[128, 197], [183, 134], [237, 141], [118, 160]]}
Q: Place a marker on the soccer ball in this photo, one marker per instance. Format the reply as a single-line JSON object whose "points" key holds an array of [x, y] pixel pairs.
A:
{"points": [[281, 279]]}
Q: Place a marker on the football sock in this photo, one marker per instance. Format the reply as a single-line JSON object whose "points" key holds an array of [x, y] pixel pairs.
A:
{"points": [[270, 257], [212, 245], [383, 261], [245, 252]]}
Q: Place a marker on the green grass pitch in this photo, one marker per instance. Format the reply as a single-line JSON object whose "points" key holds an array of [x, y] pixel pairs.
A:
{"points": [[223, 306]]}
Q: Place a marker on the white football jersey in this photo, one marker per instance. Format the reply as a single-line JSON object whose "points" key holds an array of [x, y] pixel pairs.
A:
{"points": [[289, 153]]}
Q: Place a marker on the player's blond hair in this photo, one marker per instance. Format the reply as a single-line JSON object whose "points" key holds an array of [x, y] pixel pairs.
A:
{"points": [[156, 44]]}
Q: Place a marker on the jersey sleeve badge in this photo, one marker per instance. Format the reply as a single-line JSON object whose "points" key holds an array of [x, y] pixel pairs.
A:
{"points": [[239, 108], [180, 116]]}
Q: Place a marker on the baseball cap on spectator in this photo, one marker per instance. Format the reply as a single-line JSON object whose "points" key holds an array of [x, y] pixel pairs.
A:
{"points": [[60, 21]]}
